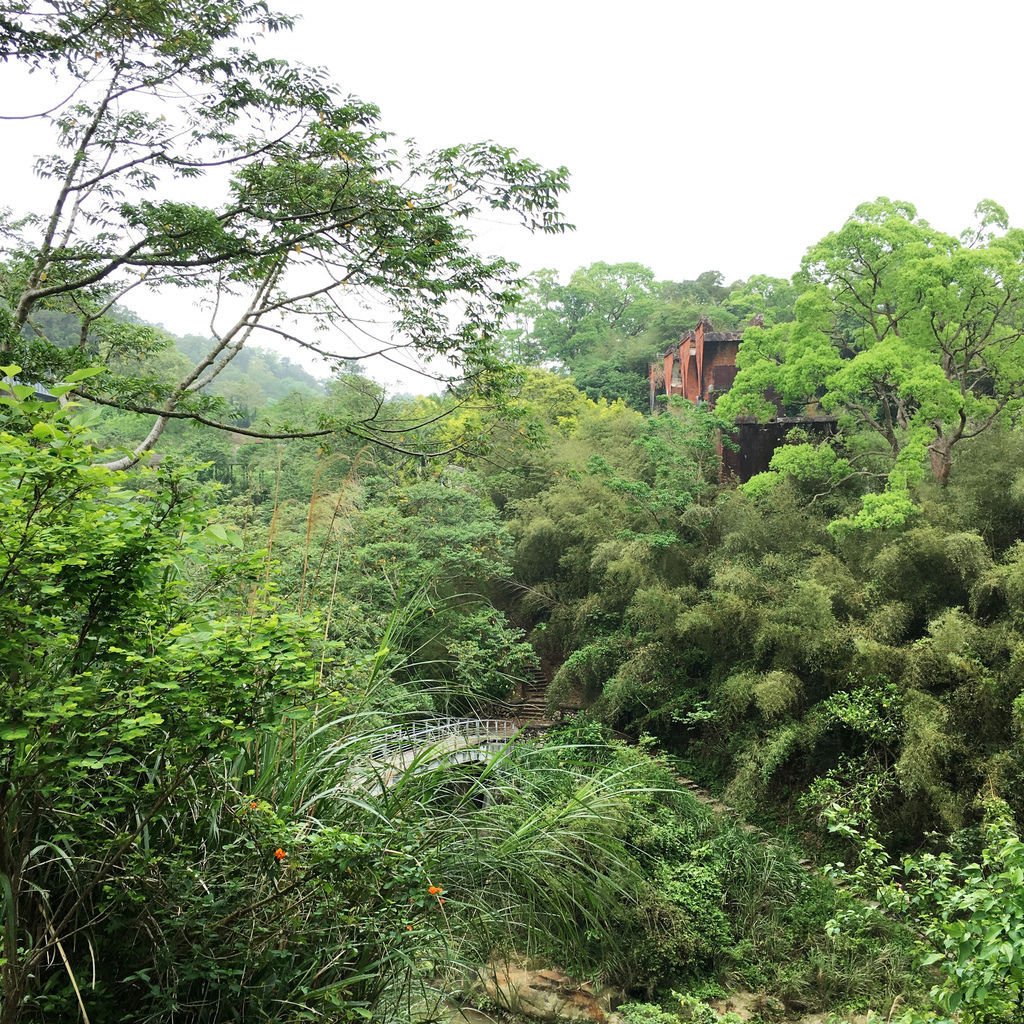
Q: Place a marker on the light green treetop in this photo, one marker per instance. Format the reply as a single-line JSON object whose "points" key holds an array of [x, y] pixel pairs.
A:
{"points": [[909, 335], [309, 226]]}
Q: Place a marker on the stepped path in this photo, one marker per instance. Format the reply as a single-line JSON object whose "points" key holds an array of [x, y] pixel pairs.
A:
{"points": [[531, 709], [532, 705]]}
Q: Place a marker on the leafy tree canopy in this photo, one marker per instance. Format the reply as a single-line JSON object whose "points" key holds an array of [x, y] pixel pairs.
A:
{"points": [[316, 228], [912, 337]]}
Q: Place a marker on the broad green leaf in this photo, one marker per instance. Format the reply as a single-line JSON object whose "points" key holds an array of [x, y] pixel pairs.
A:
{"points": [[84, 374]]}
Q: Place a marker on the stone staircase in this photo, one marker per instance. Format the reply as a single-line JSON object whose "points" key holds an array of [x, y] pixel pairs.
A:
{"points": [[530, 708]]}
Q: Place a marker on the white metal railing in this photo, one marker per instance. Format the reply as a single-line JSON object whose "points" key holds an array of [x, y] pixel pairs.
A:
{"points": [[435, 731]]}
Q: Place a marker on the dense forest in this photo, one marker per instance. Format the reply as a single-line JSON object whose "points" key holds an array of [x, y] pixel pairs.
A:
{"points": [[324, 703]]}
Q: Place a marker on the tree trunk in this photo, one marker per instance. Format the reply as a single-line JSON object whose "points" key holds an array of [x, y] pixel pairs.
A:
{"points": [[940, 455]]}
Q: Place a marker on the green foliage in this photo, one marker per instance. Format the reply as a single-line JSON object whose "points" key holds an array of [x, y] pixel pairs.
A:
{"points": [[313, 213], [968, 911], [978, 924], [597, 299], [753, 637], [365, 541], [121, 687], [874, 710], [646, 1013], [912, 337], [187, 816]]}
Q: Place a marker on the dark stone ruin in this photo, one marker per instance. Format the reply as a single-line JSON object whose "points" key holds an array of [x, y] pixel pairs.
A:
{"points": [[701, 368]]}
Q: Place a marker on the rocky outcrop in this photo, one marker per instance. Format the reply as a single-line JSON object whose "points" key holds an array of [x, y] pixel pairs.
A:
{"points": [[548, 995], [749, 1006]]}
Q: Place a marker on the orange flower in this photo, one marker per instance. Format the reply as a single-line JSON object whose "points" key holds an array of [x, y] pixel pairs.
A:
{"points": [[435, 890], [279, 854], [408, 927], [253, 805]]}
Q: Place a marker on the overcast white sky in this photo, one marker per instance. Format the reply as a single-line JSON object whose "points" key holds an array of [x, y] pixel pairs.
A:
{"points": [[725, 134]]}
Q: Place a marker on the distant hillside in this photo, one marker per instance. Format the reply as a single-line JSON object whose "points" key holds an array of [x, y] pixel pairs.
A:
{"points": [[255, 377], [254, 368]]}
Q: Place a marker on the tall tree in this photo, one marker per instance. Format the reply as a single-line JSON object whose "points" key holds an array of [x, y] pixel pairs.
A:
{"points": [[911, 335], [186, 161], [569, 320]]}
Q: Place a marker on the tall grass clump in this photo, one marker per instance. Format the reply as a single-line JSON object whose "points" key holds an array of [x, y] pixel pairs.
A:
{"points": [[195, 820]]}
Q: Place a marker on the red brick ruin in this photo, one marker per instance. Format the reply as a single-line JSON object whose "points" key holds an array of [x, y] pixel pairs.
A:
{"points": [[701, 367]]}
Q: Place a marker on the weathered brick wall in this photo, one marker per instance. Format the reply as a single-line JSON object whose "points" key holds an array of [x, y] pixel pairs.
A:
{"points": [[700, 359], [719, 368], [756, 443]]}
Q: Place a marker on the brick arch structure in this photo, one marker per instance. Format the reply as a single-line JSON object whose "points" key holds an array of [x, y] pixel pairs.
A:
{"points": [[700, 367]]}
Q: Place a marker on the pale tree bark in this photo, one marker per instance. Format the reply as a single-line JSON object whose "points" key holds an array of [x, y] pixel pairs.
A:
{"points": [[227, 346]]}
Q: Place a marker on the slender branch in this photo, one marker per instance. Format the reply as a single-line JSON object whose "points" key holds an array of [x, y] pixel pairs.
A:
{"points": [[251, 907], [46, 113], [180, 414], [368, 434], [28, 297]]}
